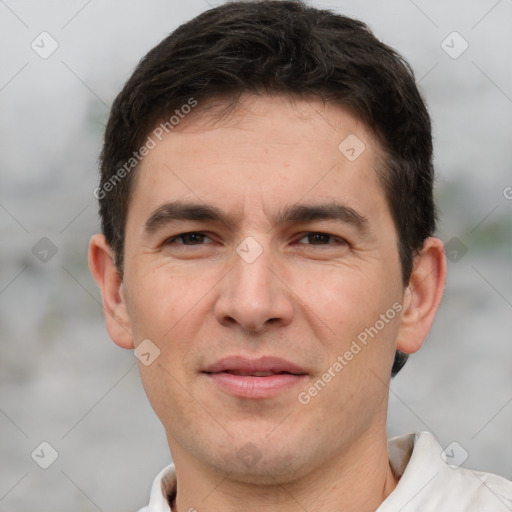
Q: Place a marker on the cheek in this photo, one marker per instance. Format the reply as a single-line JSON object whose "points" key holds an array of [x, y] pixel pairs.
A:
{"points": [[345, 297], [163, 297], [357, 314]]}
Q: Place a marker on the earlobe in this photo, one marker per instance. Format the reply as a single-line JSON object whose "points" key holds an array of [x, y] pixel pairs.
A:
{"points": [[105, 273], [422, 296]]}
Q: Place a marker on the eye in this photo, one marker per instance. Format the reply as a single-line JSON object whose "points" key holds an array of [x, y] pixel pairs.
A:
{"points": [[191, 238], [316, 238]]}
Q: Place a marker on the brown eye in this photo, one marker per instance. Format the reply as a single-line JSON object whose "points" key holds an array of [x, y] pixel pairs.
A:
{"points": [[315, 238], [192, 238]]}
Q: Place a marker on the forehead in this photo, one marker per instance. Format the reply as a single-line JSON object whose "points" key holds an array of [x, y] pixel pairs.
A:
{"points": [[267, 114], [268, 149]]}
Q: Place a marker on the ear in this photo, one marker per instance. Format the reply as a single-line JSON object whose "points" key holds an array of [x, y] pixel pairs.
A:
{"points": [[422, 296], [104, 271]]}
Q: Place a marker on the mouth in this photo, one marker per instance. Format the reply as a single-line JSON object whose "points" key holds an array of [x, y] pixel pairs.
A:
{"points": [[254, 378], [255, 373]]}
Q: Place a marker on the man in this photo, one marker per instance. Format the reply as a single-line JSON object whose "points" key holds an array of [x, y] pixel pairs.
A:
{"points": [[268, 250]]}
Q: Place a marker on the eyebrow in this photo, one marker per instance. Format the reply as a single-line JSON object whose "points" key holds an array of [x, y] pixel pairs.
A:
{"points": [[299, 213], [325, 211], [180, 210]]}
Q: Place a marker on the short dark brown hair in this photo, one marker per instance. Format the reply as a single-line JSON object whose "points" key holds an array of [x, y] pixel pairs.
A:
{"points": [[283, 47]]}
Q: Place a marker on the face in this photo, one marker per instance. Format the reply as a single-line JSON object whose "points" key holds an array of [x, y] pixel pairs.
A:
{"points": [[287, 266]]}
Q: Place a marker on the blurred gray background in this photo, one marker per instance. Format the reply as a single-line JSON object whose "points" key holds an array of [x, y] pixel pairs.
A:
{"points": [[63, 382]]}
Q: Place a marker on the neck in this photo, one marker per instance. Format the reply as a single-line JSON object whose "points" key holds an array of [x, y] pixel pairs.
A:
{"points": [[358, 480]]}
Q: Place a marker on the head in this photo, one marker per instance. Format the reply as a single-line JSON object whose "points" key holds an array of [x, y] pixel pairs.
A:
{"points": [[281, 123]]}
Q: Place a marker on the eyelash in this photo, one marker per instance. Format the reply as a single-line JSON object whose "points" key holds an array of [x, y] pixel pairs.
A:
{"points": [[172, 239]]}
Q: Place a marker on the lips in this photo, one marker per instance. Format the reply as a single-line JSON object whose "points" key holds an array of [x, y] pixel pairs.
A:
{"points": [[260, 378], [262, 367]]}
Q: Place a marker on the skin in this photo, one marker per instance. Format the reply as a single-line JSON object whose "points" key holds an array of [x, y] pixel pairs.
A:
{"points": [[304, 299]]}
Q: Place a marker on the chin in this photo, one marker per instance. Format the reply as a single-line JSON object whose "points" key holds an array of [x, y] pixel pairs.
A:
{"points": [[262, 460]]}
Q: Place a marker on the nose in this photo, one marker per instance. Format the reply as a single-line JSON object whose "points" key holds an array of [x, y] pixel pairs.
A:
{"points": [[254, 295]]}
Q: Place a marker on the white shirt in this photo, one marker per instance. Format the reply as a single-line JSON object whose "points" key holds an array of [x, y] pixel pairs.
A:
{"points": [[427, 483]]}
